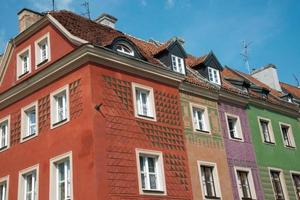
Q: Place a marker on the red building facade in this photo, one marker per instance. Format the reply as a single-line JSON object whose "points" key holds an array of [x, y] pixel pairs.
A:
{"points": [[73, 122]]}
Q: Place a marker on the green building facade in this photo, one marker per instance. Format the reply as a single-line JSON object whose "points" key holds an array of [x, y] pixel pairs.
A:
{"points": [[276, 156]]}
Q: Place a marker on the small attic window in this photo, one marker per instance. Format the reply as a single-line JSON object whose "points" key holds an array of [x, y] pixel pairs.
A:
{"points": [[123, 48], [214, 75]]}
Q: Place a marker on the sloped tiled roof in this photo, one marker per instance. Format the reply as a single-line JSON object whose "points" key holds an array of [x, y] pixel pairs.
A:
{"points": [[295, 91], [193, 61]]}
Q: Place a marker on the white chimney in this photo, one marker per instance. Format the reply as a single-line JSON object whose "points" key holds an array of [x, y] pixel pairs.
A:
{"points": [[107, 20], [27, 17], [268, 75]]}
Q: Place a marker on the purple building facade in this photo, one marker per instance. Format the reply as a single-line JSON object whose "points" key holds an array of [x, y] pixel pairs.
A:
{"points": [[240, 152]]}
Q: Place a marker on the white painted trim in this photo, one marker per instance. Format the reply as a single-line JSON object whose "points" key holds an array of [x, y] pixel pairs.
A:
{"points": [[282, 180], [272, 137], [290, 134], [52, 178], [8, 131], [24, 120], [161, 172], [206, 118], [6, 179], [215, 174], [151, 98], [18, 64], [37, 49], [21, 181], [291, 176], [238, 127], [52, 107], [250, 180]]}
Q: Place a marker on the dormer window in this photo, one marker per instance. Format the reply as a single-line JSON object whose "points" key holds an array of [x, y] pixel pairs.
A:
{"points": [[214, 75], [124, 49], [178, 64]]}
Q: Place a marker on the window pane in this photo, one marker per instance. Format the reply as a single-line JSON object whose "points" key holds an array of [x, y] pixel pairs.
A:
{"points": [[3, 191], [277, 185], [244, 184], [265, 130], [4, 134], [153, 181], [208, 181], [296, 179]]}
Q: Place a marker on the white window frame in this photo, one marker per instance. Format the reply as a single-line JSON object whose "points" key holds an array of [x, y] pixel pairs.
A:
{"points": [[250, 181], [22, 184], [175, 65], [214, 80], [215, 177], [25, 123], [20, 73], [151, 106], [123, 46], [53, 107], [53, 195], [270, 127], [7, 118], [282, 182], [161, 174], [6, 181], [290, 135], [38, 61], [206, 120], [238, 127], [291, 174]]}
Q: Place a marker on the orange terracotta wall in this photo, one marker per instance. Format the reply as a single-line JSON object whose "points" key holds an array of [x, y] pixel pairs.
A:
{"points": [[205, 147], [118, 133], [75, 136], [59, 46]]}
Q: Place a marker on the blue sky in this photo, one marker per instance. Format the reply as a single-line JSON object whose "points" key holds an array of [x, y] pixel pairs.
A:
{"points": [[273, 26]]}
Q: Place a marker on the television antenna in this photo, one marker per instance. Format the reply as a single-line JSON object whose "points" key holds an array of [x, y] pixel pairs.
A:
{"points": [[245, 54], [297, 80], [53, 5], [86, 5]]}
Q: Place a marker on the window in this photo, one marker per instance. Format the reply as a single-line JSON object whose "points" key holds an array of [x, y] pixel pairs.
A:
{"points": [[245, 183], [59, 107], [200, 118], [23, 63], [277, 183], [287, 135], [214, 76], [144, 101], [28, 184], [4, 188], [150, 171], [61, 177], [178, 64], [209, 180], [124, 49], [29, 121], [234, 127], [42, 50], [266, 130], [296, 181], [4, 133]]}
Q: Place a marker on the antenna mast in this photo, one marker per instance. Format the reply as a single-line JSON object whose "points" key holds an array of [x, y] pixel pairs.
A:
{"points": [[245, 54], [297, 80], [86, 5], [53, 5]]}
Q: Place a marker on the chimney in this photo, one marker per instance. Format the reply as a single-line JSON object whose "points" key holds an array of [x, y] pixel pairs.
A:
{"points": [[27, 17], [107, 20], [268, 75]]}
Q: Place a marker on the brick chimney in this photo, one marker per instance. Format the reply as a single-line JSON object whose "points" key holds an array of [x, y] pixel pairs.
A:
{"points": [[268, 75], [27, 17], [107, 20]]}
